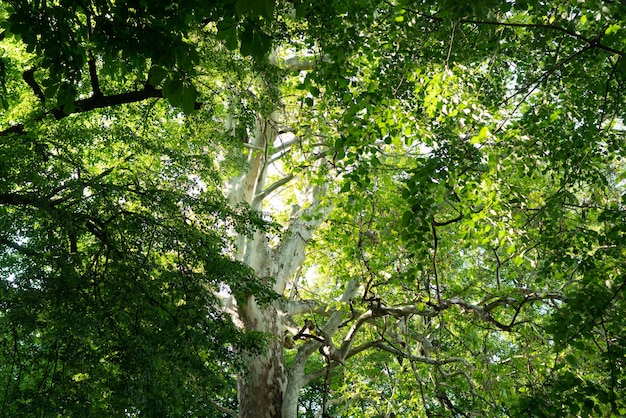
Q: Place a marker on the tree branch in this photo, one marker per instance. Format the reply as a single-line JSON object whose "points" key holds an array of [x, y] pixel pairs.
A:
{"points": [[271, 188], [349, 338], [299, 307], [223, 409], [15, 129], [595, 42], [533, 85], [99, 102], [93, 76], [406, 310], [29, 78], [420, 359], [290, 253], [92, 103], [286, 144], [27, 199], [17, 247], [252, 147]]}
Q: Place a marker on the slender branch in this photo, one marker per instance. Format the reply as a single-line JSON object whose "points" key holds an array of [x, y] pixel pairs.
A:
{"points": [[271, 188], [223, 409], [495, 252], [484, 312], [448, 222], [436, 272], [595, 42], [532, 86], [451, 43], [17, 247], [420, 359], [433, 18]]}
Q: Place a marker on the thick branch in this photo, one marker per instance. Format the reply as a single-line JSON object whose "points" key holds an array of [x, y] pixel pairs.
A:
{"points": [[289, 255], [95, 102], [407, 310], [16, 199], [29, 78], [93, 76], [99, 102], [299, 307], [15, 129], [305, 350], [252, 147], [349, 338], [483, 312]]}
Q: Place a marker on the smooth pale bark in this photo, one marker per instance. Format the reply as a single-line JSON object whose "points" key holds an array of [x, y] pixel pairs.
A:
{"points": [[296, 376], [261, 391], [266, 373]]}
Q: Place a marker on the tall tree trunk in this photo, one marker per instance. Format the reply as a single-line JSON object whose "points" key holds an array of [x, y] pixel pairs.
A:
{"points": [[260, 390], [262, 387]]}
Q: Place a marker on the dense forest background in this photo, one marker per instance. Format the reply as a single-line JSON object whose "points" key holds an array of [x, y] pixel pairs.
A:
{"points": [[241, 208]]}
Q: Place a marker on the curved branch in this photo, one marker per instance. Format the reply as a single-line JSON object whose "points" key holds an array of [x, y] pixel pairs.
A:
{"points": [[346, 344], [29, 78], [595, 42], [380, 344]]}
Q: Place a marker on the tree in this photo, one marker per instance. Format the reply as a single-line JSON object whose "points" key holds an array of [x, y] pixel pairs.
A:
{"points": [[402, 210]]}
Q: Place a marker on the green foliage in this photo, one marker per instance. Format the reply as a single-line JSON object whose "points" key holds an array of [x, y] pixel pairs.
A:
{"points": [[71, 39], [483, 143], [474, 160], [113, 244]]}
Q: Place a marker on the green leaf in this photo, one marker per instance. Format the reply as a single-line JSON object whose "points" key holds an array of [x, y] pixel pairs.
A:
{"points": [[254, 42], [481, 137], [180, 93], [156, 75]]}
